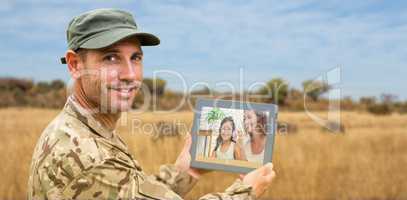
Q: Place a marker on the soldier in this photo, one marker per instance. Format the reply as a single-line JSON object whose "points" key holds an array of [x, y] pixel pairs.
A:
{"points": [[79, 155]]}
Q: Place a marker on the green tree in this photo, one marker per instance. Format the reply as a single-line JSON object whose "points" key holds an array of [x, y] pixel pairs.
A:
{"points": [[155, 86], [202, 91], [314, 89], [57, 84], [12, 84], [42, 87], [367, 100], [275, 90]]}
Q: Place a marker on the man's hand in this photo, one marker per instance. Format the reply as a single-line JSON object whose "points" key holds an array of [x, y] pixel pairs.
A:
{"points": [[183, 162], [260, 178]]}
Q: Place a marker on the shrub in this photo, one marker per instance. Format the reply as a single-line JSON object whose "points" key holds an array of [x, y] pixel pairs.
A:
{"points": [[379, 109], [402, 108], [275, 90]]}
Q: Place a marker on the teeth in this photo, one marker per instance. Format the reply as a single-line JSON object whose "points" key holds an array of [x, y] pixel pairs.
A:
{"points": [[124, 90]]}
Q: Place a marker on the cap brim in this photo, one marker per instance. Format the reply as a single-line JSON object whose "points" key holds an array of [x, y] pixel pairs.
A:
{"points": [[108, 38]]}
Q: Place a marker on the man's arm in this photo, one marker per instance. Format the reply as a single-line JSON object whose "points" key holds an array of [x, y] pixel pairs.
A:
{"points": [[237, 191], [70, 176], [113, 180], [178, 177], [182, 183]]}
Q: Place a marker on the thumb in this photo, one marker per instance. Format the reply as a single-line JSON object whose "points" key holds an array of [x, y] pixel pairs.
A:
{"points": [[269, 177], [268, 168], [241, 176], [188, 143]]}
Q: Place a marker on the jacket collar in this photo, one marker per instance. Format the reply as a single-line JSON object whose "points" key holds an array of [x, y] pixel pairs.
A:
{"points": [[85, 116], [72, 107]]}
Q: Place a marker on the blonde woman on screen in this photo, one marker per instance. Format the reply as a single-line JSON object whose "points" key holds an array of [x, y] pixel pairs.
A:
{"points": [[226, 147], [255, 125]]}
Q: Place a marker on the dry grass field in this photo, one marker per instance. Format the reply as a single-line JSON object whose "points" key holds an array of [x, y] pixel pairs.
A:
{"points": [[369, 161]]}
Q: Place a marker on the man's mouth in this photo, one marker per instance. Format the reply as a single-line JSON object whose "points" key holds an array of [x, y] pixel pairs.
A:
{"points": [[124, 90]]}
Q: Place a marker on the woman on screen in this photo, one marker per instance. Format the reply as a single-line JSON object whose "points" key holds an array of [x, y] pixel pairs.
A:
{"points": [[226, 147], [255, 125]]}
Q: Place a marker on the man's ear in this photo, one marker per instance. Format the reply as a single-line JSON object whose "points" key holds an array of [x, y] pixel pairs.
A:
{"points": [[74, 63]]}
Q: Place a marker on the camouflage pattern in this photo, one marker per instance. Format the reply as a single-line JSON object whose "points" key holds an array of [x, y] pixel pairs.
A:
{"points": [[77, 158]]}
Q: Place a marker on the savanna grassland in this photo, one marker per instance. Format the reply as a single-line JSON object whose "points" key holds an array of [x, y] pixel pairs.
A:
{"points": [[369, 161]]}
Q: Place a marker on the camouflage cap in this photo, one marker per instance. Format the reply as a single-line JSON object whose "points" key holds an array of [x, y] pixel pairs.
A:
{"points": [[103, 27]]}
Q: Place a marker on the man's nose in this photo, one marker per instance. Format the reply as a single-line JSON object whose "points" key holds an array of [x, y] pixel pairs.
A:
{"points": [[128, 72]]}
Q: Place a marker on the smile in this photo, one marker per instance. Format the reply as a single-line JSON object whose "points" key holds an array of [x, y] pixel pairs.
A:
{"points": [[123, 91]]}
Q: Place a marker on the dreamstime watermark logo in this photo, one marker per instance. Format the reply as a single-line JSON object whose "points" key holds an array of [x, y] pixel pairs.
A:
{"points": [[150, 93]]}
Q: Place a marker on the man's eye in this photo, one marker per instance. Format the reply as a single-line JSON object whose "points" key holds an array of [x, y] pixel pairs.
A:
{"points": [[110, 58], [137, 58]]}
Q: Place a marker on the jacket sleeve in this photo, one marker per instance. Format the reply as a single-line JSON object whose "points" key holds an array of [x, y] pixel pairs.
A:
{"points": [[237, 191], [113, 179], [182, 183]]}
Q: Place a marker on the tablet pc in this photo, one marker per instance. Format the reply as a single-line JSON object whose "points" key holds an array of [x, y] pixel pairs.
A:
{"points": [[233, 136]]}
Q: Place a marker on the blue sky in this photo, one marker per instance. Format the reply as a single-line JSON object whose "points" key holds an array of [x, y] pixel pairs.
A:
{"points": [[211, 41]]}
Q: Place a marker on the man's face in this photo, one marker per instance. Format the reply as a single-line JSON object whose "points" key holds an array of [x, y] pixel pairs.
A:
{"points": [[113, 75]]}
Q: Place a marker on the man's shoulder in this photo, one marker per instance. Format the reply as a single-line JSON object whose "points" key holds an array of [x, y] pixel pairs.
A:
{"points": [[64, 150], [64, 140]]}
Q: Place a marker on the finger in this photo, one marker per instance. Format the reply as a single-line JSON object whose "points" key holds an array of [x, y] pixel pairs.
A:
{"points": [[188, 143], [194, 173], [263, 170], [188, 138], [273, 174], [268, 168], [270, 176], [199, 171], [241, 176], [269, 165]]}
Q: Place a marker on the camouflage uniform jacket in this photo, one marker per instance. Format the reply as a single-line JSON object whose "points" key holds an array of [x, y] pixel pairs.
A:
{"points": [[77, 158]]}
